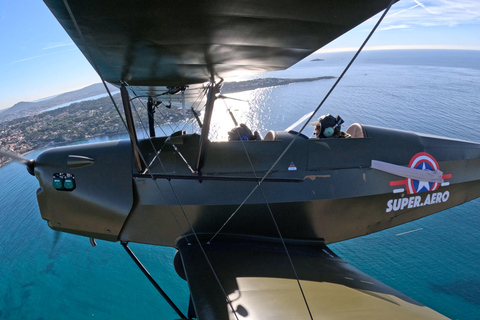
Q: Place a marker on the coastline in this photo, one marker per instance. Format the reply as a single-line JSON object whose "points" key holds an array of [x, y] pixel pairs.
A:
{"points": [[22, 135]]}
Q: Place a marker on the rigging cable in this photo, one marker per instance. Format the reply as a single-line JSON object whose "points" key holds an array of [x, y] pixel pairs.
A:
{"points": [[190, 226], [314, 112], [333, 87], [258, 185], [119, 113], [148, 169], [273, 219], [144, 161], [157, 153], [271, 168], [174, 192], [146, 108], [186, 123], [217, 279]]}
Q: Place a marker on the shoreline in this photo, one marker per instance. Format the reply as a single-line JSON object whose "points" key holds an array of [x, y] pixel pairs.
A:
{"points": [[229, 87]]}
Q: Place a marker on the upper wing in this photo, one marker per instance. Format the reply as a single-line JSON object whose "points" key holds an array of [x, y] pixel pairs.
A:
{"points": [[256, 276], [166, 43]]}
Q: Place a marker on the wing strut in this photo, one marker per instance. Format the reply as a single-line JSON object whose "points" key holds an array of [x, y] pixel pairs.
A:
{"points": [[150, 278], [131, 127], [151, 119], [213, 89]]}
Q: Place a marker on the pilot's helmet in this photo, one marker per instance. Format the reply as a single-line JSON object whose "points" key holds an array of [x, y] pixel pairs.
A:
{"points": [[327, 126]]}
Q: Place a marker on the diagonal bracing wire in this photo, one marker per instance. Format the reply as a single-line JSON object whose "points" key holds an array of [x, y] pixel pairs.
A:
{"points": [[143, 159], [266, 174], [312, 115], [258, 185], [189, 223], [276, 228]]}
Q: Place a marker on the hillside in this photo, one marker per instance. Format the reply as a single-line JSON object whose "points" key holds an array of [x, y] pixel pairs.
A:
{"points": [[92, 118], [22, 109]]}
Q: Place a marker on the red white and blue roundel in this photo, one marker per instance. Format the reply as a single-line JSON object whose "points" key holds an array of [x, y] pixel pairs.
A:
{"points": [[420, 161]]}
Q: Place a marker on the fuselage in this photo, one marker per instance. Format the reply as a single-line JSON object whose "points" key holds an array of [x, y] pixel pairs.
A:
{"points": [[319, 189]]}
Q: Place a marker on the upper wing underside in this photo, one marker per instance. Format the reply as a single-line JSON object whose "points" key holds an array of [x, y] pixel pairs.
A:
{"points": [[151, 43]]}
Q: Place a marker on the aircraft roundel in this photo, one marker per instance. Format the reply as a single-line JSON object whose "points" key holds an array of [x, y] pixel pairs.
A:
{"points": [[422, 161]]}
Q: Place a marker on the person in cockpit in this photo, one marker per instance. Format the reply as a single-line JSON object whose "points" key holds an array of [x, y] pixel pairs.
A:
{"points": [[329, 126], [243, 132]]}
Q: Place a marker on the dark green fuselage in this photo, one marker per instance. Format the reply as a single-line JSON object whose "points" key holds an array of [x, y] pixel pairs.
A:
{"points": [[320, 188]]}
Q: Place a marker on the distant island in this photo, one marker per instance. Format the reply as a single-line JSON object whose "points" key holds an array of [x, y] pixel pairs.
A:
{"points": [[314, 60], [91, 118], [231, 87]]}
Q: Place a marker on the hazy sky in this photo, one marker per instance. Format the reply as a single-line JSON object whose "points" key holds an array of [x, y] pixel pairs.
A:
{"points": [[38, 59]]}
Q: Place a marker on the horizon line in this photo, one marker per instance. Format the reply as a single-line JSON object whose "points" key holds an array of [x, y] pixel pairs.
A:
{"points": [[322, 50], [399, 47]]}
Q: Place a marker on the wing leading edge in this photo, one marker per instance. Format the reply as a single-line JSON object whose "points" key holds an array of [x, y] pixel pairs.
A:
{"points": [[259, 281], [154, 43]]}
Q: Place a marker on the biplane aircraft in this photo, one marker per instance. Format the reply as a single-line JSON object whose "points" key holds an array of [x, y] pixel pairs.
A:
{"points": [[251, 217]]}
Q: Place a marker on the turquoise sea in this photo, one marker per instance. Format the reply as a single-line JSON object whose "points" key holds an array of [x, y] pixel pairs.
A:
{"points": [[46, 275]]}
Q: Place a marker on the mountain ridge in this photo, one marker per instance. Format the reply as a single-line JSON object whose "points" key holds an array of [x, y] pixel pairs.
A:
{"points": [[25, 108]]}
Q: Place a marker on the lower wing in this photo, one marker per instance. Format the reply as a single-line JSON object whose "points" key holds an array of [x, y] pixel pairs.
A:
{"points": [[254, 278]]}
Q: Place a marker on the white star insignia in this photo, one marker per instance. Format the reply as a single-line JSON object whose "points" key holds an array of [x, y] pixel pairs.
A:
{"points": [[423, 184]]}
